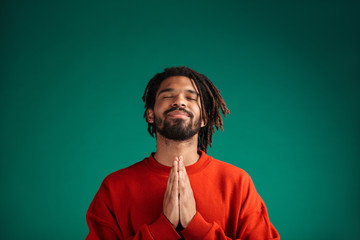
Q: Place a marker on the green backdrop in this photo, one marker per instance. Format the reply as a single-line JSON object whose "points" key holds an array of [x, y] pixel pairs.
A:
{"points": [[73, 74]]}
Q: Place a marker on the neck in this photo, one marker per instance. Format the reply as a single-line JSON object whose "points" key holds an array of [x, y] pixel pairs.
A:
{"points": [[167, 150]]}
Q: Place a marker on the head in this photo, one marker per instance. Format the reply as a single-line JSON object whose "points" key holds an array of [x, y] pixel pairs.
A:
{"points": [[181, 103]]}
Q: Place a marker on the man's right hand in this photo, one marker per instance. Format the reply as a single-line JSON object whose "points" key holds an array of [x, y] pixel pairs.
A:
{"points": [[171, 208]]}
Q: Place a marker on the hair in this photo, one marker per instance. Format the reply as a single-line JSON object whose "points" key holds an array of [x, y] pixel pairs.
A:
{"points": [[210, 100]]}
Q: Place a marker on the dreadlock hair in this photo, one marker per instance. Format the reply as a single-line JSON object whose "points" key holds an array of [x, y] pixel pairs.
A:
{"points": [[210, 99]]}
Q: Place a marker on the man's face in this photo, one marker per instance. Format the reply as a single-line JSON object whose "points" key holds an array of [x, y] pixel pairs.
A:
{"points": [[176, 113]]}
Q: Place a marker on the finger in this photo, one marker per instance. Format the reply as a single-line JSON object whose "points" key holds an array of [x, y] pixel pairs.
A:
{"points": [[182, 168], [186, 176], [185, 185], [170, 181], [176, 182], [174, 163], [181, 173], [174, 178], [181, 164], [182, 183], [170, 174]]}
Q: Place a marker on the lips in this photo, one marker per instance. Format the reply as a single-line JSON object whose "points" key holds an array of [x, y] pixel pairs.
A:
{"points": [[178, 113]]}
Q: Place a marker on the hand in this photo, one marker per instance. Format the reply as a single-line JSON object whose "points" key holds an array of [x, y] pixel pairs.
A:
{"points": [[187, 200], [171, 197]]}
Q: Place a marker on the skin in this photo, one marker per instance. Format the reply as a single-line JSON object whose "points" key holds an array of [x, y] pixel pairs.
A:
{"points": [[179, 205]]}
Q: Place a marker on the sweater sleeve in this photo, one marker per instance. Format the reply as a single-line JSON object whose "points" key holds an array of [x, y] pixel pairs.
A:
{"points": [[102, 223], [253, 223]]}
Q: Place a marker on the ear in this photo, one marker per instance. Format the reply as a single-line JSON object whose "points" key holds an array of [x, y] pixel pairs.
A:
{"points": [[204, 120], [150, 115]]}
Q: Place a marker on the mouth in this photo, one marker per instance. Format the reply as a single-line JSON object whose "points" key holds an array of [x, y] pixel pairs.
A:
{"points": [[178, 113]]}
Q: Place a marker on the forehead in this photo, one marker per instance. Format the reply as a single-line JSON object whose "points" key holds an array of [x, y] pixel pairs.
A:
{"points": [[178, 83]]}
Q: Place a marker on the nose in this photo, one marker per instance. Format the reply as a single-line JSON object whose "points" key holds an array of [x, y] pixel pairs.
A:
{"points": [[179, 101]]}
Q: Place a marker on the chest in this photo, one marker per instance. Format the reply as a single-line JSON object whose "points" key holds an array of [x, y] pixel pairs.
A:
{"points": [[142, 202]]}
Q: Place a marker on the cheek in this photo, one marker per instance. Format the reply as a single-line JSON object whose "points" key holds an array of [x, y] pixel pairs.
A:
{"points": [[159, 109], [196, 111], [158, 121]]}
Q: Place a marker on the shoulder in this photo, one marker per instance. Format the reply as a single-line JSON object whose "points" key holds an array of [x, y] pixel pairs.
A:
{"points": [[227, 168], [229, 172], [125, 174]]}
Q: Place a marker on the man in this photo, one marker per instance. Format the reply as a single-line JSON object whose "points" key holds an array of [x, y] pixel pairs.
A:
{"points": [[180, 192]]}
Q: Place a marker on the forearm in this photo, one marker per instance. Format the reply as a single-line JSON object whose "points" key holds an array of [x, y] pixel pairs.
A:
{"points": [[199, 228], [100, 229]]}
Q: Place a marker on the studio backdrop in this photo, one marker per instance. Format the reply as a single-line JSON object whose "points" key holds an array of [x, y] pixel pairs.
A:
{"points": [[72, 75]]}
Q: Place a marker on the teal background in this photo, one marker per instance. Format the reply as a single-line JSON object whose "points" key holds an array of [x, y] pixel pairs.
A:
{"points": [[73, 74]]}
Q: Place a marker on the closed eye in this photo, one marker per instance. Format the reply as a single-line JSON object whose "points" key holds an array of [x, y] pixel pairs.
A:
{"points": [[190, 98]]}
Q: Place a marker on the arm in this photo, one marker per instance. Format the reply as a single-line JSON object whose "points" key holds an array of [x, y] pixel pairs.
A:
{"points": [[253, 222], [100, 229], [103, 224], [256, 226]]}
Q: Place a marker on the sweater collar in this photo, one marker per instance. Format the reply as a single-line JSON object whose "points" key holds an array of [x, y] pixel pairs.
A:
{"points": [[203, 161]]}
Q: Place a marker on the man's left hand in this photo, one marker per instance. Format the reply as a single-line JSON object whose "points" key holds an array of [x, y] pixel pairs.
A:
{"points": [[187, 200]]}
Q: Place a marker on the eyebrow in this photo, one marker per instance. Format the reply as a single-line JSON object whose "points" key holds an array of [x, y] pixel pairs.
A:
{"points": [[192, 91], [172, 90], [166, 90]]}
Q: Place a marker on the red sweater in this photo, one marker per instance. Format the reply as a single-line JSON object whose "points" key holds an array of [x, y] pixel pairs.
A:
{"points": [[129, 204]]}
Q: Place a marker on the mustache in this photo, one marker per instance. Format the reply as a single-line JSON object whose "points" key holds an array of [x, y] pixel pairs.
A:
{"points": [[179, 109]]}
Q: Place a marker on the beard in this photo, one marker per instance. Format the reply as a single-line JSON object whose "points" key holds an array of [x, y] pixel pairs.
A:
{"points": [[177, 129]]}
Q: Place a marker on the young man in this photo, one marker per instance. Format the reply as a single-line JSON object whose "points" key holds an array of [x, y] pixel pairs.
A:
{"points": [[179, 192]]}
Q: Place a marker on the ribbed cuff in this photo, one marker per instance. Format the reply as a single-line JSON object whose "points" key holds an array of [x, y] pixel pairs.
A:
{"points": [[163, 229], [197, 228]]}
